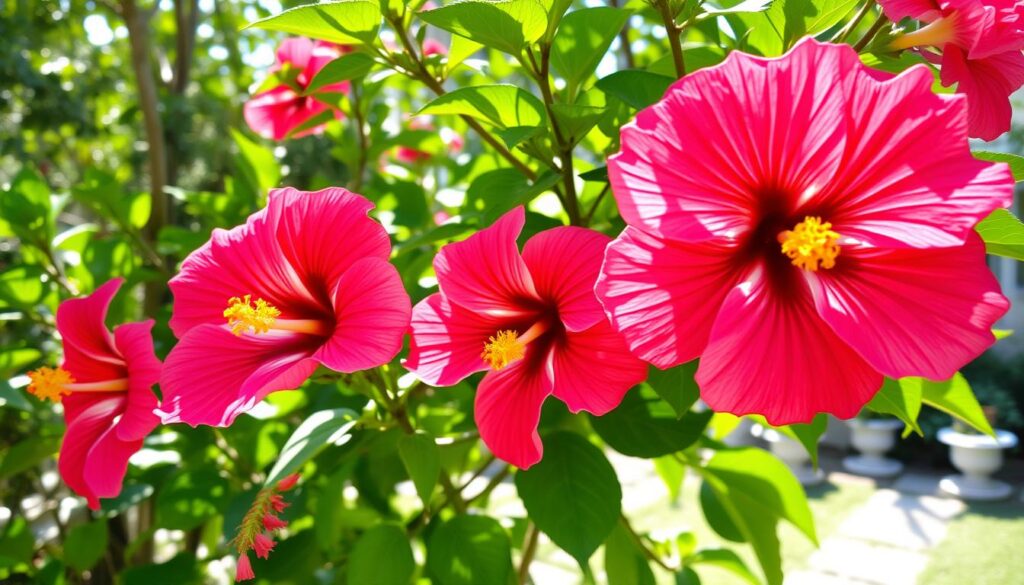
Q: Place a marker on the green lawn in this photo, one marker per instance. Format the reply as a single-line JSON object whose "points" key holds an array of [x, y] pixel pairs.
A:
{"points": [[982, 547]]}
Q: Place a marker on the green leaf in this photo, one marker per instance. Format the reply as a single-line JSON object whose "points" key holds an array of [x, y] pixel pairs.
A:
{"points": [[773, 31], [1015, 161], [901, 399], [257, 166], [469, 550], [191, 498], [16, 361], [644, 425], [676, 386], [739, 522], [955, 397], [808, 435], [422, 459], [582, 39], [757, 480], [27, 210], [624, 562], [724, 558], [636, 87], [506, 26], [341, 21], [672, 472], [26, 454], [320, 429], [505, 106], [381, 556], [575, 121], [573, 494], [1003, 234], [181, 570], [344, 68], [85, 545], [687, 576], [17, 543]]}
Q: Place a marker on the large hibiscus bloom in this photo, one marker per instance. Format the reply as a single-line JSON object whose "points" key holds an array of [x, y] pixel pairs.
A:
{"points": [[306, 281], [279, 111], [532, 320], [981, 42], [105, 384], [804, 225]]}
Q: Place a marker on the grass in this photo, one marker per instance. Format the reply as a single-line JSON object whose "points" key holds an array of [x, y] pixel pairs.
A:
{"points": [[982, 547]]}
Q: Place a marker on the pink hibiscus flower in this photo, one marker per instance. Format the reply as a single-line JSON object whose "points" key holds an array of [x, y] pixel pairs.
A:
{"points": [[532, 320], [105, 384], [306, 281], [277, 112], [804, 225], [981, 42]]}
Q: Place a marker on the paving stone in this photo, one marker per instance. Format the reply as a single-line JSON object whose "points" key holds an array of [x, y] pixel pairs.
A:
{"points": [[902, 520], [858, 560], [918, 483], [819, 578]]}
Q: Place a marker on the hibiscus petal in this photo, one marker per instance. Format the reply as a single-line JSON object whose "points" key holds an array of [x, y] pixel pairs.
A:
{"points": [[897, 10], [211, 376], [908, 178], [89, 351], [889, 305], [507, 410], [485, 273], [245, 260], [564, 263], [135, 342], [987, 83], [372, 311], [447, 341], [691, 177], [107, 463], [295, 51], [324, 232], [87, 416], [771, 354], [663, 296], [594, 369]]}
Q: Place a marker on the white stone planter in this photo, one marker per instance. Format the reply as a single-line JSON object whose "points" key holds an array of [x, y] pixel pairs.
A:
{"points": [[978, 457], [792, 453], [873, 438]]}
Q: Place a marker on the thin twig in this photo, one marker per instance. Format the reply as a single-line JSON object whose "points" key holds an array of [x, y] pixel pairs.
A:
{"points": [[674, 32], [850, 26], [643, 546], [529, 550], [868, 36]]}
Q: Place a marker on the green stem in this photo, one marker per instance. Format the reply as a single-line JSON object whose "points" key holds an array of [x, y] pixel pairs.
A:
{"points": [[852, 25], [529, 550], [674, 32], [643, 545], [881, 22]]}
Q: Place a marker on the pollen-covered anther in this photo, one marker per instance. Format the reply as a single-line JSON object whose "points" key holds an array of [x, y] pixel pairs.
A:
{"points": [[244, 314], [811, 244], [503, 348], [50, 383]]}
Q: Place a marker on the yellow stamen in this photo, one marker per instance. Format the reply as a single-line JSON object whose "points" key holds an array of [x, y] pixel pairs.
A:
{"points": [[936, 34], [243, 314], [50, 383], [503, 349], [810, 244], [506, 346]]}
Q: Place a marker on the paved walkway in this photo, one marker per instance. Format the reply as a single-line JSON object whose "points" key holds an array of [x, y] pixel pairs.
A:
{"points": [[886, 540]]}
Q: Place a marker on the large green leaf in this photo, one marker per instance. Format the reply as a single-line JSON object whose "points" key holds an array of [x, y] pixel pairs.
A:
{"points": [[85, 544], [341, 21], [381, 556], [1015, 161], [506, 26], [17, 543], [191, 498], [505, 106], [26, 454], [582, 39], [469, 550], [901, 399], [955, 397], [676, 386], [636, 87], [644, 425], [808, 435], [754, 479], [23, 286], [1003, 234], [26, 208], [724, 558], [344, 68], [771, 32], [573, 494], [739, 522], [422, 459], [257, 168], [320, 429], [181, 570], [624, 562]]}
